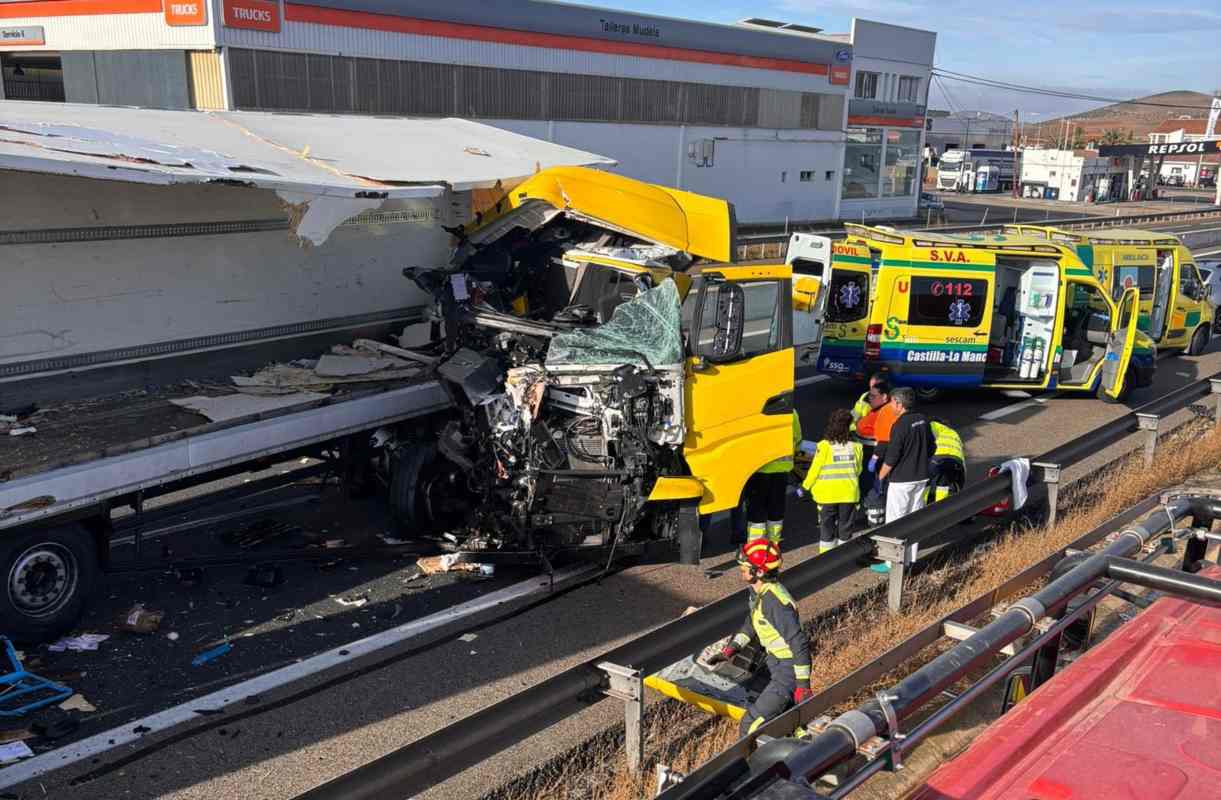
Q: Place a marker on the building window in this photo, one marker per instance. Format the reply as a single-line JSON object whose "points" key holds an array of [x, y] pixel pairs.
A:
{"points": [[909, 89], [807, 175], [867, 85], [901, 163], [830, 175], [862, 163]]}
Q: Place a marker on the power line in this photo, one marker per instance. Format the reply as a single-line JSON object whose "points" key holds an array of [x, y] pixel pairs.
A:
{"points": [[945, 90], [944, 74]]}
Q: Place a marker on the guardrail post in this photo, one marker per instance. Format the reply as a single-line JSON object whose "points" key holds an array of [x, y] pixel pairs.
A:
{"points": [[1214, 386], [626, 684], [900, 555], [1051, 477], [1148, 423]]}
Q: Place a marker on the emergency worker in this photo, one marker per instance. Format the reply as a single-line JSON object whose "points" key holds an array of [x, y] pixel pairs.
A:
{"points": [[834, 480], [948, 467], [765, 493], [863, 404], [773, 622]]}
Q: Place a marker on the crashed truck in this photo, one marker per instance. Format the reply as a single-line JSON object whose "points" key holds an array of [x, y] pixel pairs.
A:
{"points": [[577, 365]]}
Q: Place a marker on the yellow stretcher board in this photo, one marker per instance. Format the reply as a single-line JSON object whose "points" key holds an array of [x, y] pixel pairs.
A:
{"points": [[703, 702]]}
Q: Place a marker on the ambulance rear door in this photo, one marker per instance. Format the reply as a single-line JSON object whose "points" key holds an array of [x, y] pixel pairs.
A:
{"points": [[1121, 344], [846, 311]]}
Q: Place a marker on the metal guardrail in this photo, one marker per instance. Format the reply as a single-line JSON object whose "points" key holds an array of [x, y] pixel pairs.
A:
{"points": [[444, 753], [1086, 222]]}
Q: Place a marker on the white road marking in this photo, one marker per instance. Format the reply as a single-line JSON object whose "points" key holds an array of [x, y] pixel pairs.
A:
{"points": [[1013, 409], [237, 694], [812, 379]]}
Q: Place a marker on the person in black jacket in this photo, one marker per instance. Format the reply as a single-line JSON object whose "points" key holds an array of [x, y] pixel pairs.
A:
{"points": [[905, 466]]}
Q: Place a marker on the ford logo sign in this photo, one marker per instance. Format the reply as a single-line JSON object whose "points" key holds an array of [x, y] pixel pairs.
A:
{"points": [[843, 55]]}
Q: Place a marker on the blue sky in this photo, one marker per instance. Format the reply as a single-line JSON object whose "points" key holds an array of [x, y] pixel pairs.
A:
{"points": [[1118, 48]]}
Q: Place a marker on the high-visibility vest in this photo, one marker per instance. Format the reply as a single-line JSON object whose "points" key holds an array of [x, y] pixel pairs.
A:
{"points": [[834, 473], [785, 463], [768, 636], [949, 443], [859, 409]]}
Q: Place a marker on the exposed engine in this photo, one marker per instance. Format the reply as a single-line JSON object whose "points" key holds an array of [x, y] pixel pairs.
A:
{"points": [[568, 381]]}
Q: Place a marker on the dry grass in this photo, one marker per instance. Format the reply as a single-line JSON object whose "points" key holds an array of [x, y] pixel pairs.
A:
{"points": [[684, 738]]}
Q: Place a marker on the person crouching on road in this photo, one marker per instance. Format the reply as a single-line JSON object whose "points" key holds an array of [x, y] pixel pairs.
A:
{"points": [[766, 491], [905, 463], [948, 468], [834, 480], [773, 622]]}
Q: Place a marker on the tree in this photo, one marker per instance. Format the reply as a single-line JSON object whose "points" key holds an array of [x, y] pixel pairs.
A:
{"points": [[1078, 139], [1114, 136]]}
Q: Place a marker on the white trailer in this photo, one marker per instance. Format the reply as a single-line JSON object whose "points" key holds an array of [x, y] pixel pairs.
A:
{"points": [[142, 247]]}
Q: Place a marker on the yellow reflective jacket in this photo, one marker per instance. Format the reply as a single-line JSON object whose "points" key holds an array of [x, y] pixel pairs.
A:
{"points": [[773, 622], [949, 443], [835, 472], [785, 464]]}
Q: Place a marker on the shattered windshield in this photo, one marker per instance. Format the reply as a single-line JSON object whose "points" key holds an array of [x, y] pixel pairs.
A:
{"points": [[644, 331]]}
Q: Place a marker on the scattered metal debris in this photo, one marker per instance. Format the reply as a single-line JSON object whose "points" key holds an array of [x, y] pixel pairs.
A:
{"points": [[84, 642], [211, 655]]}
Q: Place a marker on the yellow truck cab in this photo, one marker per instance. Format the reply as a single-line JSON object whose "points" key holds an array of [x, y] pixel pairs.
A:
{"points": [[831, 291], [615, 378], [998, 311], [1174, 306]]}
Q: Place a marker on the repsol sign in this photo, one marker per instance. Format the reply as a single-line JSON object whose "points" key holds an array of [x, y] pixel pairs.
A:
{"points": [[1167, 149]]}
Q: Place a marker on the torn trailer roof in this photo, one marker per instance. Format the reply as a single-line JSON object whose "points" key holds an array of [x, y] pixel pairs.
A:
{"points": [[341, 156]]}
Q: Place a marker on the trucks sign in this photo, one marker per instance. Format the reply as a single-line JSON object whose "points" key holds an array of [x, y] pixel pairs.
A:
{"points": [[184, 13], [258, 15]]}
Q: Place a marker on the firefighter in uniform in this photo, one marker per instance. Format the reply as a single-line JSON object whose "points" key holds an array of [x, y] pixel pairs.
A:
{"points": [[765, 494], [947, 468], [774, 623]]}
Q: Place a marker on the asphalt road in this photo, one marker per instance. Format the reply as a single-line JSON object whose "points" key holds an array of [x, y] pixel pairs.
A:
{"points": [[288, 749]]}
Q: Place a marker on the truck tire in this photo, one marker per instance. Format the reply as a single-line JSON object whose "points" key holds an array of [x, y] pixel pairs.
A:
{"points": [[48, 574], [1199, 342], [404, 490]]}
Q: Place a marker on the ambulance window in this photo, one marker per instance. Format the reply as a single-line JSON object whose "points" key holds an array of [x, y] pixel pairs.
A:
{"points": [[848, 300], [949, 302], [1128, 277]]}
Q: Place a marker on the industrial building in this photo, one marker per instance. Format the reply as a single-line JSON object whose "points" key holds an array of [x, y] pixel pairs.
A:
{"points": [[785, 120], [966, 130]]}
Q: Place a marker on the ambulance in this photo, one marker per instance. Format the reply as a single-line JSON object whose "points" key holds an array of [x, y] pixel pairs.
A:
{"points": [[829, 326], [1174, 306], [998, 311]]}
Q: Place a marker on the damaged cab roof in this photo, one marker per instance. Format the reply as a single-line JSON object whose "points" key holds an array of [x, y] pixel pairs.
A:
{"points": [[700, 225]]}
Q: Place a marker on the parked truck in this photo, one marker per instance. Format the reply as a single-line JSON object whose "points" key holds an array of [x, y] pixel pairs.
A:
{"points": [[594, 372]]}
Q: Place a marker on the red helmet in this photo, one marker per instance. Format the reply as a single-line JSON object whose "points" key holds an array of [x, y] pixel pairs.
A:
{"points": [[762, 555]]}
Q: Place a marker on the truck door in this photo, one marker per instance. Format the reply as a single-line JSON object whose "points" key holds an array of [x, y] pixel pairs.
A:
{"points": [[739, 394], [942, 339], [1164, 295], [1120, 344], [810, 258]]}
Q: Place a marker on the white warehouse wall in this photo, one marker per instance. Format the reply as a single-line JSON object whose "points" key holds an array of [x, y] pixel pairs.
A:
{"points": [[758, 170]]}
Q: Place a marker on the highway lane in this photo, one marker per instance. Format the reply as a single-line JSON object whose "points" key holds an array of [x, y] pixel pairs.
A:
{"points": [[285, 750]]}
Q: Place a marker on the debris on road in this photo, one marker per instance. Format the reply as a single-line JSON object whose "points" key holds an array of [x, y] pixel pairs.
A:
{"points": [[431, 565], [172, 636], [356, 602], [57, 727], [211, 655], [14, 751], [23, 431], [140, 620], [77, 702], [82, 643], [235, 406], [468, 637], [18, 735]]}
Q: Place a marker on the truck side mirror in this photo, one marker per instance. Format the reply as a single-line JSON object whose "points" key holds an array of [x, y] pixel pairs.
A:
{"points": [[730, 322]]}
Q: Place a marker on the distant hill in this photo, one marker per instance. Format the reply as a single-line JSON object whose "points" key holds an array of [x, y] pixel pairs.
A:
{"points": [[1134, 121]]}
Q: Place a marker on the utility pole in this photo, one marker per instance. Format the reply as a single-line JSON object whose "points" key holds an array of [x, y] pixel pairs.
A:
{"points": [[1017, 169]]}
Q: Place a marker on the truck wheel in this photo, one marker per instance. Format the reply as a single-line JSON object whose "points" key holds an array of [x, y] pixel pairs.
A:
{"points": [[406, 504], [1199, 342], [47, 574]]}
